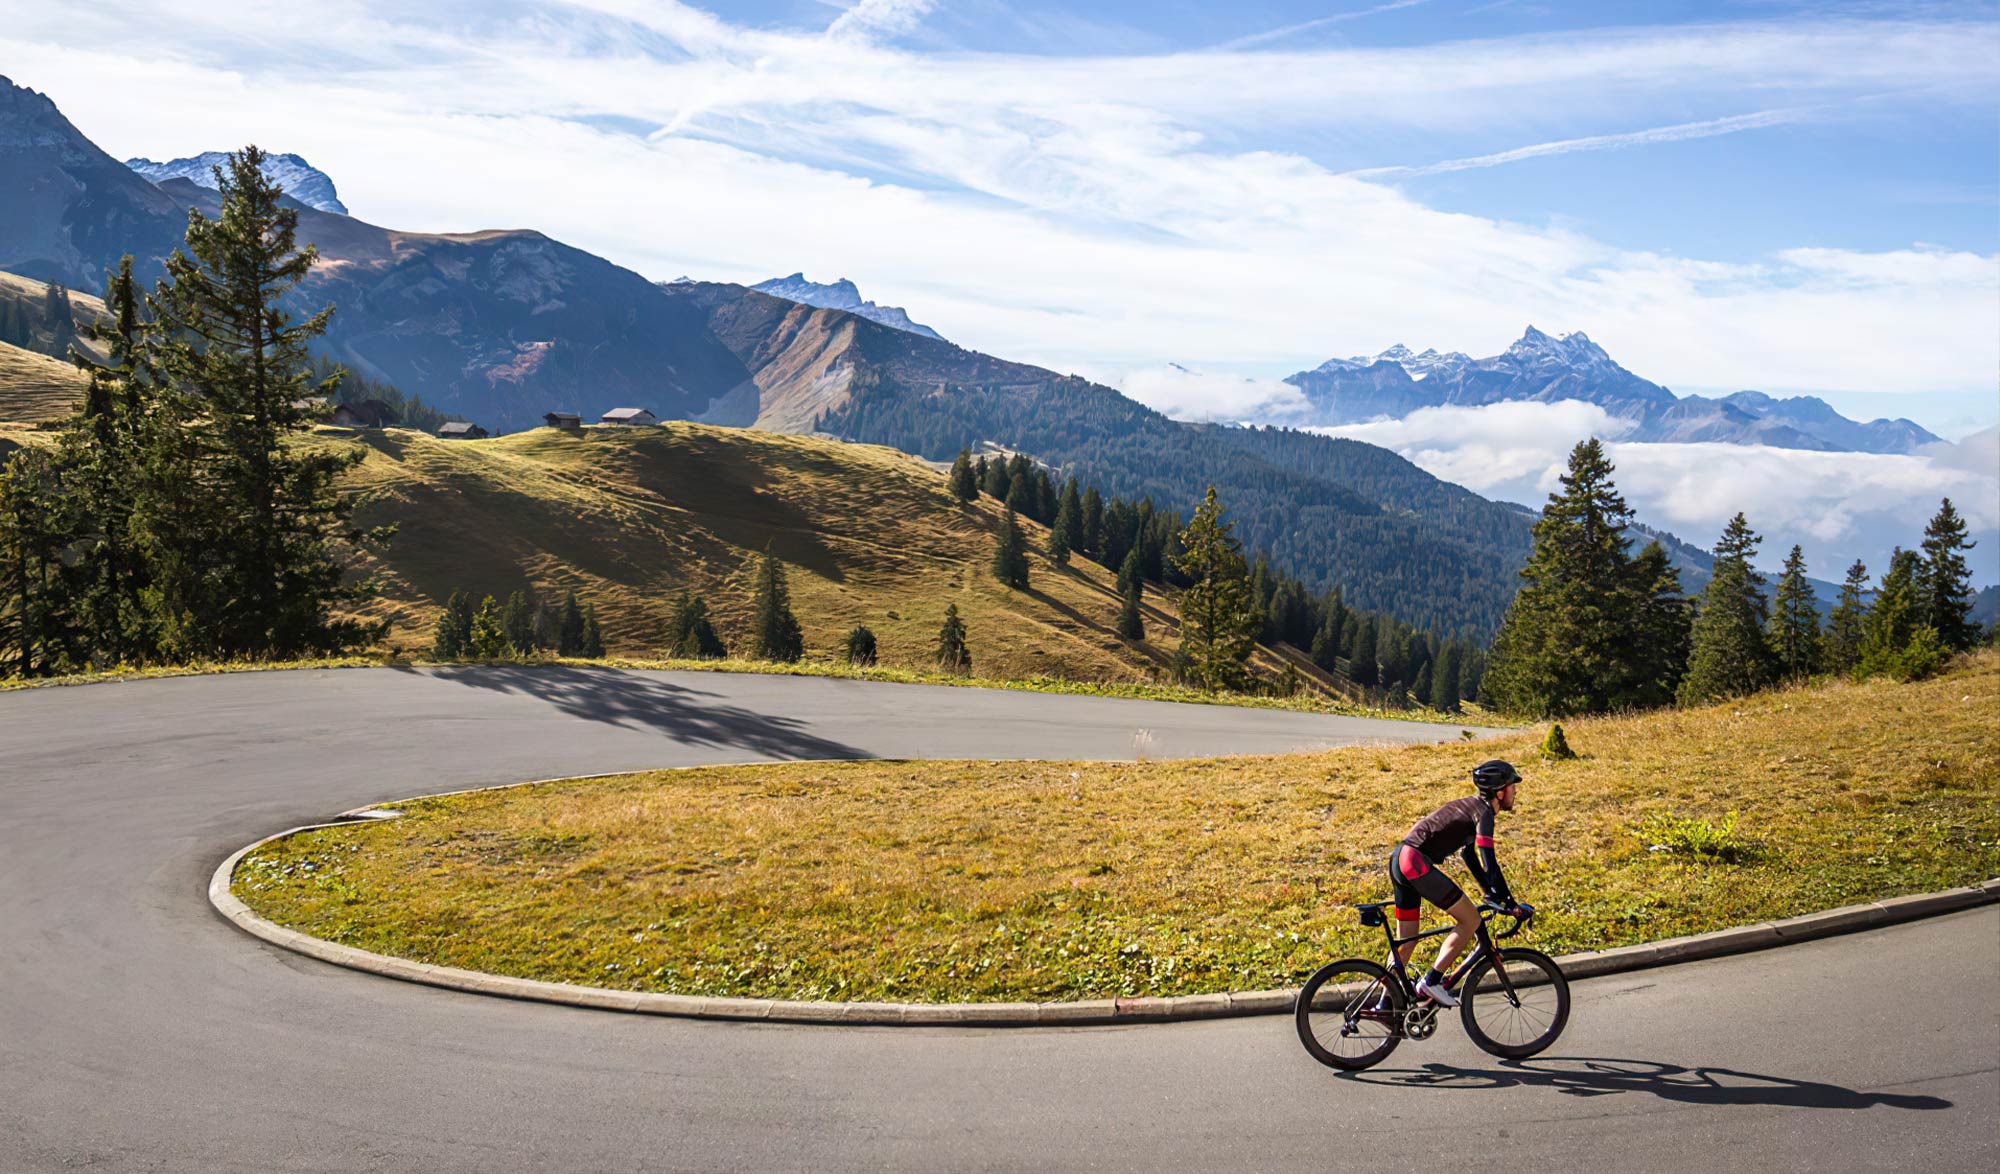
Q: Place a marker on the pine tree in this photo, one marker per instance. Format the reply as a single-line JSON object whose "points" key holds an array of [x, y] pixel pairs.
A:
{"points": [[1361, 667], [569, 628], [860, 646], [775, 633], [1729, 655], [593, 636], [1847, 626], [517, 620], [1794, 633], [489, 633], [453, 636], [1131, 616], [1010, 553], [1444, 680], [1944, 582], [59, 319], [272, 572], [994, 482], [1092, 521], [1658, 654], [1218, 627], [1565, 644], [1893, 619], [690, 632], [963, 487], [953, 655], [1131, 571], [35, 620]]}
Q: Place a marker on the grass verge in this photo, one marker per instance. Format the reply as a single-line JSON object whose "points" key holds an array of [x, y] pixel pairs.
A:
{"points": [[997, 881]]}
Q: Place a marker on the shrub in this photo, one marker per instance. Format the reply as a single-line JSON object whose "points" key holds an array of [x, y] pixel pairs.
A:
{"points": [[1556, 747], [1687, 836], [861, 643]]}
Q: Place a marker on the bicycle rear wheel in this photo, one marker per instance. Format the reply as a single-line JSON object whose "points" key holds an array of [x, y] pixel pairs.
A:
{"points": [[1522, 1023], [1350, 1014]]}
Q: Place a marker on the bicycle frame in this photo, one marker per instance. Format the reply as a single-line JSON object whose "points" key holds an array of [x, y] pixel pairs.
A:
{"points": [[1482, 948]]}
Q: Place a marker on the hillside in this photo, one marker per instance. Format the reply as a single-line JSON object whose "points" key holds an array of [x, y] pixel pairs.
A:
{"points": [[627, 517], [34, 388]]}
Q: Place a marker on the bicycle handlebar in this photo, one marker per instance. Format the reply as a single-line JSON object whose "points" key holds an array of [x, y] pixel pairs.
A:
{"points": [[1488, 911]]}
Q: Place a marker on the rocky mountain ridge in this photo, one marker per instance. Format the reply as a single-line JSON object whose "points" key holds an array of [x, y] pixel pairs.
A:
{"points": [[301, 180], [842, 295]]}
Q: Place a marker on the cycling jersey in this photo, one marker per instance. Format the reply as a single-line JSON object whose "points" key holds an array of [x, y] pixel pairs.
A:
{"points": [[1464, 826]]}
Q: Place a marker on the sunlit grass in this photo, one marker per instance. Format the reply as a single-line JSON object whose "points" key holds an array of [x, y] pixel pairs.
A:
{"points": [[985, 881]]}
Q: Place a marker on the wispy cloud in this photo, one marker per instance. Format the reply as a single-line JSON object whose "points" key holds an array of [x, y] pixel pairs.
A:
{"points": [[1304, 26], [1102, 213], [1707, 128], [870, 18]]}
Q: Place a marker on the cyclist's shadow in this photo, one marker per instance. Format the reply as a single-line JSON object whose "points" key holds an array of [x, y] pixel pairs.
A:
{"points": [[1584, 1076]]}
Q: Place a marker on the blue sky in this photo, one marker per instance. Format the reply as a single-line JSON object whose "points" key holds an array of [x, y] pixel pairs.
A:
{"points": [[1789, 197]]}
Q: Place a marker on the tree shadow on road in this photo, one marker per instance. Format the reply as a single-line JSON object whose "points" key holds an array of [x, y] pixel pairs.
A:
{"points": [[636, 701], [1583, 1076]]}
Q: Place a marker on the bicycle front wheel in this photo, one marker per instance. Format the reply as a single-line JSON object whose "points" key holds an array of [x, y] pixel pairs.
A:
{"points": [[1522, 1016], [1350, 1014]]}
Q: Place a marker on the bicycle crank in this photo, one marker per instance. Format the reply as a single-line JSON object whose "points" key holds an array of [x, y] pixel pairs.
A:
{"points": [[1420, 1022]]}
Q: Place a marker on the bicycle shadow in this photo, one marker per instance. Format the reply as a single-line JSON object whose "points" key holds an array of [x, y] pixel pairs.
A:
{"points": [[1584, 1076]]}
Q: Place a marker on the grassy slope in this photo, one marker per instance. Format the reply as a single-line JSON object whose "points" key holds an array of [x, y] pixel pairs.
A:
{"points": [[35, 387], [626, 517], [1058, 880]]}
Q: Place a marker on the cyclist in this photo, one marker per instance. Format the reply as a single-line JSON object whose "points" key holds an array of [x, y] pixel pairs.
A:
{"points": [[1464, 826]]}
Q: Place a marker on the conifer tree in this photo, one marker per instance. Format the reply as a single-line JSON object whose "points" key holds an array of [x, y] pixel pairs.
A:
{"points": [[1658, 653], [860, 646], [775, 633], [953, 655], [1010, 553], [1847, 626], [1444, 679], [1361, 668], [569, 628], [1067, 529], [963, 487], [1131, 616], [489, 632], [453, 636], [1218, 626], [1729, 655], [593, 636], [1021, 494], [517, 620], [994, 482], [1795, 640], [59, 319], [690, 632], [271, 570], [1893, 619], [1092, 542], [1944, 582], [1131, 571], [35, 623], [1565, 644]]}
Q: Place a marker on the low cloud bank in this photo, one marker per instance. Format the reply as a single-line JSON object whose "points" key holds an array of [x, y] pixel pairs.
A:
{"points": [[1838, 506]]}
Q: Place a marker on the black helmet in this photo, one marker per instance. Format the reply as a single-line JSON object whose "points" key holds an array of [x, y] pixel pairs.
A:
{"points": [[1493, 776]]}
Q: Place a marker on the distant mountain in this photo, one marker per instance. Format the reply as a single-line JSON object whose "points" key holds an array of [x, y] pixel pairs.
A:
{"points": [[1546, 369], [301, 180], [841, 295], [500, 327]]}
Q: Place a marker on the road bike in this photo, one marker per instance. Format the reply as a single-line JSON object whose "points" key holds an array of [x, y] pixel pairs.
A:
{"points": [[1513, 1002]]}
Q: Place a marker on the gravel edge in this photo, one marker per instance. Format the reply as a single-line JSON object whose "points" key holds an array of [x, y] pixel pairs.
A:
{"points": [[1094, 1012]]}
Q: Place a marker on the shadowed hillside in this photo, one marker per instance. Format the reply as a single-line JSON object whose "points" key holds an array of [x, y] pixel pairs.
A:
{"points": [[627, 517]]}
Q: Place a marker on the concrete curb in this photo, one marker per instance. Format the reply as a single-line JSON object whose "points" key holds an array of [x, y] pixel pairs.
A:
{"points": [[1095, 1012]]}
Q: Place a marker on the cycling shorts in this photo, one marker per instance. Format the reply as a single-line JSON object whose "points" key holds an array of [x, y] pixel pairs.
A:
{"points": [[1417, 880]]}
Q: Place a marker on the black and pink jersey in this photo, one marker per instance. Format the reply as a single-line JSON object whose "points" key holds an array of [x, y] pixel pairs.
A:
{"points": [[1464, 826]]}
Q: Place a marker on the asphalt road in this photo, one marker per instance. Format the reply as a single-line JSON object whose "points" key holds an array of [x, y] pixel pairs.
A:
{"points": [[138, 1031]]}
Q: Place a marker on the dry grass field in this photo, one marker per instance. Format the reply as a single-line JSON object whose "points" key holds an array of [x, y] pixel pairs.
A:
{"points": [[626, 517], [34, 387], [994, 881]]}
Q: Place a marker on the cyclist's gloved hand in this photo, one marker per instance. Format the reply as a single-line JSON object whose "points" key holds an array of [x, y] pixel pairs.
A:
{"points": [[1521, 910]]}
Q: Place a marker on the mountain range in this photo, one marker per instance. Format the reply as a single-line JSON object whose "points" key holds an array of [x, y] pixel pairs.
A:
{"points": [[1543, 368], [301, 180]]}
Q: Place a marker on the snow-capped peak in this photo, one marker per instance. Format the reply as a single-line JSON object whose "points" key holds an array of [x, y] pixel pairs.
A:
{"points": [[301, 180], [841, 295]]}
